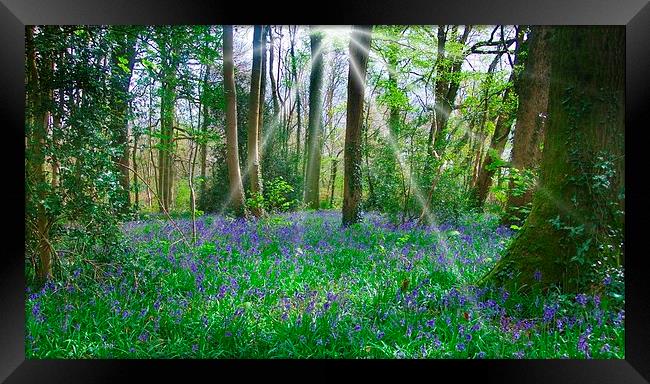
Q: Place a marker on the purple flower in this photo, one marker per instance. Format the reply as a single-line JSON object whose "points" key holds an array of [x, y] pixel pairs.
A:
{"points": [[380, 334], [481, 355], [619, 318], [582, 345], [607, 280], [549, 312], [460, 347], [537, 276], [597, 300], [357, 327], [431, 323], [605, 348], [581, 299], [144, 336], [560, 325], [195, 348]]}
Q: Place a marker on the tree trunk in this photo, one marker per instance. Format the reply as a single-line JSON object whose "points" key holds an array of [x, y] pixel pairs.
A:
{"points": [[497, 145], [335, 163], [274, 89], [314, 133], [232, 154], [576, 221], [168, 99], [253, 163], [204, 142], [359, 50], [294, 70], [532, 88], [37, 129], [122, 63], [260, 124]]}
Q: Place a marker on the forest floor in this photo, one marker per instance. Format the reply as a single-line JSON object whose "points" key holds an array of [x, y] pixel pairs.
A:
{"points": [[297, 285]]}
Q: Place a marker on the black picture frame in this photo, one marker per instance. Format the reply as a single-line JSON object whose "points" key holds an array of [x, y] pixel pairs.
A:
{"points": [[16, 14]]}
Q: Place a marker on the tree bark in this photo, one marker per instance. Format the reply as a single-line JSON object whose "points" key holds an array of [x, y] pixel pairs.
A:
{"points": [[253, 162], [122, 63], [359, 50], [274, 89], [578, 207], [37, 129], [294, 70], [314, 133], [168, 99], [260, 124], [532, 88], [232, 155], [204, 142]]}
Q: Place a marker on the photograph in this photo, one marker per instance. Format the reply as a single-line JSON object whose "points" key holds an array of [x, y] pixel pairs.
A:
{"points": [[324, 191]]}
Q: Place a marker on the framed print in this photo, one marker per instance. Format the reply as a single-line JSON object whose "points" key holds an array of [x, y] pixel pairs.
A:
{"points": [[376, 187]]}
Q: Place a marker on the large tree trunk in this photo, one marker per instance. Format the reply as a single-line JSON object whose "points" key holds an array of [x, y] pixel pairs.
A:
{"points": [[359, 50], [253, 162], [312, 184], [36, 132], [576, 220], [232, 154], [532, 88]]}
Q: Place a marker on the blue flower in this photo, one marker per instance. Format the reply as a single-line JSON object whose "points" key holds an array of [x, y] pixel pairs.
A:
{"points": [[549, 312], [581, 299]]}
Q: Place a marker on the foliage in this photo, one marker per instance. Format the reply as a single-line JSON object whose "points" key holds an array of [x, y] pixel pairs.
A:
{"points": [[278, 196]]}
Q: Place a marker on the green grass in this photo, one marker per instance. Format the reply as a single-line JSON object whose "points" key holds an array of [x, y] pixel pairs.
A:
{"points": [[299, 286]]}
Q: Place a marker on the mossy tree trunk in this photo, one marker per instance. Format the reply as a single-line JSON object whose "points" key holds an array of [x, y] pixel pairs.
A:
{"points": [[36, 131], [359, 49], [314, 131], [576, 222]]}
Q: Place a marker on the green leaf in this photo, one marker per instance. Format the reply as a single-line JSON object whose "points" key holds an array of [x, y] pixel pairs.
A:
{"points": [[124, 67]]}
